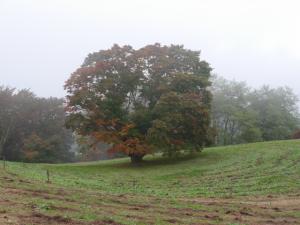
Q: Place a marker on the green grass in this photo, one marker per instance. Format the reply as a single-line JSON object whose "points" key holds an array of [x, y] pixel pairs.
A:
{"points": [[244, 184], [250, 169]]}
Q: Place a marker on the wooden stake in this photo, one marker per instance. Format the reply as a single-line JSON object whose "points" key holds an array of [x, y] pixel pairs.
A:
{"points": [[48, 176]]}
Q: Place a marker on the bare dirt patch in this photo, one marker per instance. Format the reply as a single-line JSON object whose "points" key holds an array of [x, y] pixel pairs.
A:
{"points": [[255, 210]]}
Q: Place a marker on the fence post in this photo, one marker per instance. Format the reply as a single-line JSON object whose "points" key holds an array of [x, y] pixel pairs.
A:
{"points": [[48, 176]]}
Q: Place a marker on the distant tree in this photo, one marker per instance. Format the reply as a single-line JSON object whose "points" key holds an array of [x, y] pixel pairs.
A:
{"points": [[128, 98], [33, 147], [7, 116], [234, 119], [50, 150], [277, 109]]}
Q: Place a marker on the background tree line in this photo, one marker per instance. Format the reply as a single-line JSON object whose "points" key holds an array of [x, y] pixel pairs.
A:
{"points": [[242, 114], [32, 128]]}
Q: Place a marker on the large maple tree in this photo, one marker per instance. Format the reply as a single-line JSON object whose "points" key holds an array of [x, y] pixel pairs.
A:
{"points": [[155, 98]]}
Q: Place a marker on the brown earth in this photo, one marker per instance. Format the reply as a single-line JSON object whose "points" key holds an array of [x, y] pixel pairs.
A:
{"points": [[29, 203]]}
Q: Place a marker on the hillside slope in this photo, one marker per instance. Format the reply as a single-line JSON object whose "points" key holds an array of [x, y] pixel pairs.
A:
{"points": [[244, 184]]}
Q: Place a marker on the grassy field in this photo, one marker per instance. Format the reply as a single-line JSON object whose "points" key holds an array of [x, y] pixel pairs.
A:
{"points": [[244, 184]]}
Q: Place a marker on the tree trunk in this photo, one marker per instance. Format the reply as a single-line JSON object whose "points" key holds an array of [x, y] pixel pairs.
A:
{"points": [[225, 132], [135, 159]]}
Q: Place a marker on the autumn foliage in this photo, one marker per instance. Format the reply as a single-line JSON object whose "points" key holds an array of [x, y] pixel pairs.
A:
{"points": [[140, 101], [32, 128]]}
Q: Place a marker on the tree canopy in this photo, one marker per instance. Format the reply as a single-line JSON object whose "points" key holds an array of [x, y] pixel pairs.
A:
{"points": [[139, 101]]}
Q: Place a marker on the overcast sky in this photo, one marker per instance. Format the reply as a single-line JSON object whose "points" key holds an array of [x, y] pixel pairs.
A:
{"points": [[42, 41]]}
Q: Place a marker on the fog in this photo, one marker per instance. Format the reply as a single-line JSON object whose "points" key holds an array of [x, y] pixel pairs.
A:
{"points": [[42, 42]]}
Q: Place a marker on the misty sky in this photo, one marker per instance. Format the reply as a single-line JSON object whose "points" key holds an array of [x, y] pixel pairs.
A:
{"points": [[42, 41]]}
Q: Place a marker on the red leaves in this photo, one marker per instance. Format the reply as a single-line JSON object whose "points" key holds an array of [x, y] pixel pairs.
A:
{"points": [[132, 146], [177, 142], [102, 66], [120, 137]]}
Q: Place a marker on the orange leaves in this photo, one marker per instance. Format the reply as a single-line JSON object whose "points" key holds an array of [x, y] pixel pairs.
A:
{"points": [[132, 146], [33, 146], [121, 138], [124, 131], [118, 134], [100, 122]]}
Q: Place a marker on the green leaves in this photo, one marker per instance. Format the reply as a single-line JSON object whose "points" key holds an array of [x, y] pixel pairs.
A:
{"points": [[160, 92], [241, 114], [23, 115], [182, 123]]}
